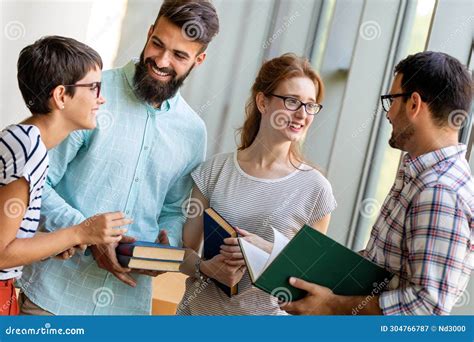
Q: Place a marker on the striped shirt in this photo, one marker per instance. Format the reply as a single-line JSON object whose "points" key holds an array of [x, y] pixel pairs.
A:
{"points": [[256, 205], [23, 155], [424, 234]]}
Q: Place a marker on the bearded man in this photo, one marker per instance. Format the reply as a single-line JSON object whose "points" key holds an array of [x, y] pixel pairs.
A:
{"points": [[138, 160]]}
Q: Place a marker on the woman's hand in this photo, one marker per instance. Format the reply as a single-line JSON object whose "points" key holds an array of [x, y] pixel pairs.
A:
{"points": [[224, 273], [103, 228], [65, 255], [68, 253], [231, 250], [255, 240]]}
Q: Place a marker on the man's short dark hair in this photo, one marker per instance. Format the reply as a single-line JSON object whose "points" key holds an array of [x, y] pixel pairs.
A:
{"points": [[441, 80], [49, 62], [198, 19]]}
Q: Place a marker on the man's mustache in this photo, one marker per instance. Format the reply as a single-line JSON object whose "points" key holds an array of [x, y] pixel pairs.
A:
{"points": [[168, 71]]}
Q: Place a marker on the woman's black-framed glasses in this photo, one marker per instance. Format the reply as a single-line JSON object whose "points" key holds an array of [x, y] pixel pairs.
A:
{"points": [[387, 100], [93, 86], [312, 108]]}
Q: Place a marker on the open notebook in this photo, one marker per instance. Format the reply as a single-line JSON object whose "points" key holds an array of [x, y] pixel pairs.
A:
{"points": [[314, 257], [257, 259]]}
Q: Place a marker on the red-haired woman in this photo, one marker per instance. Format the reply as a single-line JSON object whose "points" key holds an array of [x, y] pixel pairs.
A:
{"points": [[265, 183]]}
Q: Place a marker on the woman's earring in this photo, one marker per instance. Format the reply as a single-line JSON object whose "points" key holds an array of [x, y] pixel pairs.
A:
{"points": [[62, 107]]}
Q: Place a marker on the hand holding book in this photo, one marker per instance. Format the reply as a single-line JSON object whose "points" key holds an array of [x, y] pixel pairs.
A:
{"points": [[231, 250], [318, 300], [223, 258], [163, 240], [216, 230], [228, 266], [216, 268], [151, 258], [106, 258], [315, 258]]}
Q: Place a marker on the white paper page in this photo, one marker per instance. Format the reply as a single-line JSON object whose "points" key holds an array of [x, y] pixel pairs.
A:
{"points": [[255, 258], [279, 242]]}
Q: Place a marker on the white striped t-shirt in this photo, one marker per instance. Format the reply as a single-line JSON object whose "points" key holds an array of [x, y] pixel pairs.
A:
{"points": [[256, 205], [23, 154]]}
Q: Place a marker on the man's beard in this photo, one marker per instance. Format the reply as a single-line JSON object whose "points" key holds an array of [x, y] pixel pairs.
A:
{"points": [[154, 91], [399, 139]]}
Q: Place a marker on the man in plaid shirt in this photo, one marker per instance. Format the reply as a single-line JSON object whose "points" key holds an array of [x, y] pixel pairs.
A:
{"points": [[425, 228]]}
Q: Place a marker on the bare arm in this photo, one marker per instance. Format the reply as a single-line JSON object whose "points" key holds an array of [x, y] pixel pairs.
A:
{"points": [[16, 252], [193, 231], [216, 267], [322, 225]]}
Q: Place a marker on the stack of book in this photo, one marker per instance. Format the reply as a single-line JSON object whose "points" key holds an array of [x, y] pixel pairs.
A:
{"points": [[150, 256]]}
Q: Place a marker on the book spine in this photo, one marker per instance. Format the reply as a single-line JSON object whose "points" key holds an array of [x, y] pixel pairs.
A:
{"points": [[229, 291], [125, 249], [123, 260]]}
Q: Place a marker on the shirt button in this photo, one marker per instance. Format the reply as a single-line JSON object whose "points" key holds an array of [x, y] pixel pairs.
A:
{"points": [[137, 179], [145, 148], [127, 212]]}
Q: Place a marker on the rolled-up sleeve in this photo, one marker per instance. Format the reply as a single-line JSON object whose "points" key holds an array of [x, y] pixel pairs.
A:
{"points": [[439, 247]]}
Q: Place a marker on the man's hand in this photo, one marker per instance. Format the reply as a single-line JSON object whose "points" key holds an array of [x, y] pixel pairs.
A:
{"points": [[322, 301], [162, 239], [106, 258], [319, 300]]}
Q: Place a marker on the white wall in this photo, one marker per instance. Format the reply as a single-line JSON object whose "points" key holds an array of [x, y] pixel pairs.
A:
{"points": [[94, 22]]}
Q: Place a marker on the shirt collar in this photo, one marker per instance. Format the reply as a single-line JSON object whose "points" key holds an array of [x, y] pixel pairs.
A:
{"points": [[129, 70], [414, 167]]}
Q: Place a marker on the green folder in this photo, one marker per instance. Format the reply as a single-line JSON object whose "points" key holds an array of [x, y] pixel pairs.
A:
{"points": [[314, 257]]}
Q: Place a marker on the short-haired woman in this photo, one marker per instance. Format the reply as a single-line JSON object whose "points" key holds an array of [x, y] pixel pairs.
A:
{"points": [[59, 79]]}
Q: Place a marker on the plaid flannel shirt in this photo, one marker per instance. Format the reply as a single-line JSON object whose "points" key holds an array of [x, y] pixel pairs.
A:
{"points": [[424, 234]]}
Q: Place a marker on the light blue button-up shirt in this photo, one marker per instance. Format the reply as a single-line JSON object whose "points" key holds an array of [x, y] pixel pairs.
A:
{"points": [[138, 161]]}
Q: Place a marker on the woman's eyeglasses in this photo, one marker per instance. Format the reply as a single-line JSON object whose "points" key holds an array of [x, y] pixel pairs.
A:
{"points": [[293, 104], [93, 86]]}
